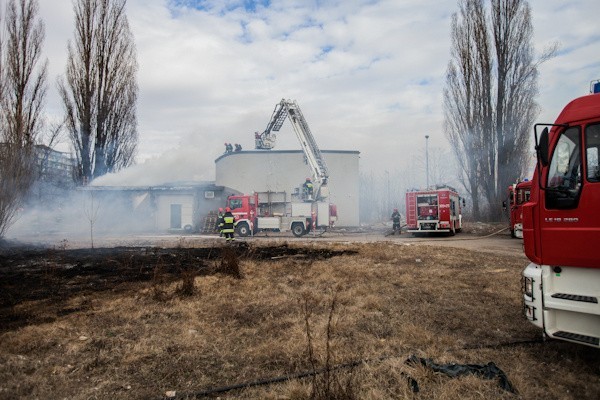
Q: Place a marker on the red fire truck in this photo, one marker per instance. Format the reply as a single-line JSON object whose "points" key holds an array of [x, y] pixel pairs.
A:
{"points": [[518, 194], [304, 210], [561, 226], [433, 210], [273, 211]]}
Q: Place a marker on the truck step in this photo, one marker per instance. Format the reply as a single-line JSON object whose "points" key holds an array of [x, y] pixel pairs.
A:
{"points": [[575, 297], [578, 338]]}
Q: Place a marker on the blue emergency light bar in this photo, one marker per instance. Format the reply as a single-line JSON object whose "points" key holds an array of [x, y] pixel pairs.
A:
{"points": [[595, 86]]}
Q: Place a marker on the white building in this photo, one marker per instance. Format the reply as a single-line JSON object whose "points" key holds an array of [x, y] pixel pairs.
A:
{"points": [[286, 170]]}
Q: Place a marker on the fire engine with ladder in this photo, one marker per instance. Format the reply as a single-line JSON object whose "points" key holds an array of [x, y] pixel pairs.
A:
{"points": [[306, 209], [434, 210], [561, 225], [518, 194]]}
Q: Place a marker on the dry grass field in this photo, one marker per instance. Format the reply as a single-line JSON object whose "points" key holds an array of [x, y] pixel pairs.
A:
{"points": [[144, 323]]}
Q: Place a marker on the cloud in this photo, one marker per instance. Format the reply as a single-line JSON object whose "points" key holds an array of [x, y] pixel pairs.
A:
{"points": [[368, 75]]}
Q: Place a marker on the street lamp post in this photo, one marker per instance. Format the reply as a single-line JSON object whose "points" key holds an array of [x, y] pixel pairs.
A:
{"points": [[427, 158]]}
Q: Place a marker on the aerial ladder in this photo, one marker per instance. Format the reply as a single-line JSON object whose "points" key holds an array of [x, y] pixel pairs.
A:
{"points": [[314, 158]]}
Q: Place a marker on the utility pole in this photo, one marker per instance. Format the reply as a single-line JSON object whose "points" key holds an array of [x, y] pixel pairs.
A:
{"points": [[427, 157]]}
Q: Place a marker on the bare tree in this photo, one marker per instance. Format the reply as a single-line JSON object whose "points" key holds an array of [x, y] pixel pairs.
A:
{"points": [[100, 90], [463, 103], [91, 213], [489, 99], [22, 94]]}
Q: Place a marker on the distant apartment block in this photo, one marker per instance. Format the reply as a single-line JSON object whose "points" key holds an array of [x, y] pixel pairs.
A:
{"points": [[54, 167]]}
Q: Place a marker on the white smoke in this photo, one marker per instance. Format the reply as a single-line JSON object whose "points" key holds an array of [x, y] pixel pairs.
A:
{"points": [[187, 163]]}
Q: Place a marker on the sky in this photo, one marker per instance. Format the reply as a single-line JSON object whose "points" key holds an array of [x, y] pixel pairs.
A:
{"points": [[367, 74]]}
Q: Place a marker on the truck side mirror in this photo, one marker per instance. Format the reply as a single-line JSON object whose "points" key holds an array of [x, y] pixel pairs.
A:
{"points": [[542, 148], [504, 205]]}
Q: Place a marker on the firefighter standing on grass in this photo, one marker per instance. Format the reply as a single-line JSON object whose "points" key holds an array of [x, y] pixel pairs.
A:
{"points": [[396, 222], [228, 225]]}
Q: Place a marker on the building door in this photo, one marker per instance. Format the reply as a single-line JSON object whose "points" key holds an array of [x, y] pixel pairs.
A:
{"points": [[175, 216]]}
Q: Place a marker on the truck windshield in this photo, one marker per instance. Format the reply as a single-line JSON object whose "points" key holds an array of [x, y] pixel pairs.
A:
{"points": [[592, 145], [523, 196], [564, 175], [235, 204]]}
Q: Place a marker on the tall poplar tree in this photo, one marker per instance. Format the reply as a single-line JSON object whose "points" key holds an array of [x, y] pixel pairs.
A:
{"points": [[22, 93], [489, 98], [99, 91]]}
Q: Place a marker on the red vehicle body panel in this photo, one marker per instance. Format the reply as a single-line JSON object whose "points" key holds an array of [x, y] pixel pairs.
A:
{"points": [[441, 205], [518, 195], [565, 237]]}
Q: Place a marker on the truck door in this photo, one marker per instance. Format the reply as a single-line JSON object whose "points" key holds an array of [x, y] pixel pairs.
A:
{"points": [[569, 218]]}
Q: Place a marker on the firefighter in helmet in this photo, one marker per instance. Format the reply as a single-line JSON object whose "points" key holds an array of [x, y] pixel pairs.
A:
{"points": [[396, 222], [228, 225], [308, 188], [220, 221]]}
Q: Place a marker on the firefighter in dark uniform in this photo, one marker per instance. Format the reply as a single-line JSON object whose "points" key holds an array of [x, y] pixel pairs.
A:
{"points": [[396, 222], [220, 221], [228, 225], [308, 188]]}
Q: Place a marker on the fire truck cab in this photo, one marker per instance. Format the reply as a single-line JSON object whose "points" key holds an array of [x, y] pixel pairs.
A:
{"points": [[561, 226], [434, 210], [518, 194]]}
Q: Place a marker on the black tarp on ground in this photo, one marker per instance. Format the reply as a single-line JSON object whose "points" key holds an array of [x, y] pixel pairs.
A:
{"points": [[487, 371]]}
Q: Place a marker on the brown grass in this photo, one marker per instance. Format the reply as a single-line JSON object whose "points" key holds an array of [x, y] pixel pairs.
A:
{"points": [[391, 301]]}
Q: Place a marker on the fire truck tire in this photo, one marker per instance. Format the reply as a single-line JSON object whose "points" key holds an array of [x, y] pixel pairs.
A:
{"points": [[512, 233], [243, 229], [298, 229]]}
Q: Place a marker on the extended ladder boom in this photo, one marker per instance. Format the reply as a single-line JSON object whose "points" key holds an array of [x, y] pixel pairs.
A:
{"points": [[266, 140]]}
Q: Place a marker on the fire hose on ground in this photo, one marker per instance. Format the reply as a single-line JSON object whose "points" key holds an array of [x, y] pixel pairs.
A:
{"points": [[485, 371]]}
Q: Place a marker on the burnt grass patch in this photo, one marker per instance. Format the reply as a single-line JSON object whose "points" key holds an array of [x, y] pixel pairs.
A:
{"points": [[53, 276], [155, 322]]}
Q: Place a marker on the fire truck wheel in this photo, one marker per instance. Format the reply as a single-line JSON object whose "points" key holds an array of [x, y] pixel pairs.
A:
{"points": [[512, 233], [243, 229], [452, 230], [298, 229]]}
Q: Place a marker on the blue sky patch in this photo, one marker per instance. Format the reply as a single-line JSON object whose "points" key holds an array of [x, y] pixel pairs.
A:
{"points": [[206, 5]]}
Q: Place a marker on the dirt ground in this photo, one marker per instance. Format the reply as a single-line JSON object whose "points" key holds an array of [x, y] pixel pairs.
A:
{"points": [[346, 315]]}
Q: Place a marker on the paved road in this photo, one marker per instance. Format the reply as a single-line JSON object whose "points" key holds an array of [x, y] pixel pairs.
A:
{"points": [[500, 243]]}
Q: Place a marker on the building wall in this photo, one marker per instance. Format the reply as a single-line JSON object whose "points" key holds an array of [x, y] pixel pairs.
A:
{"points": [[164, 204], [285, 170]]}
